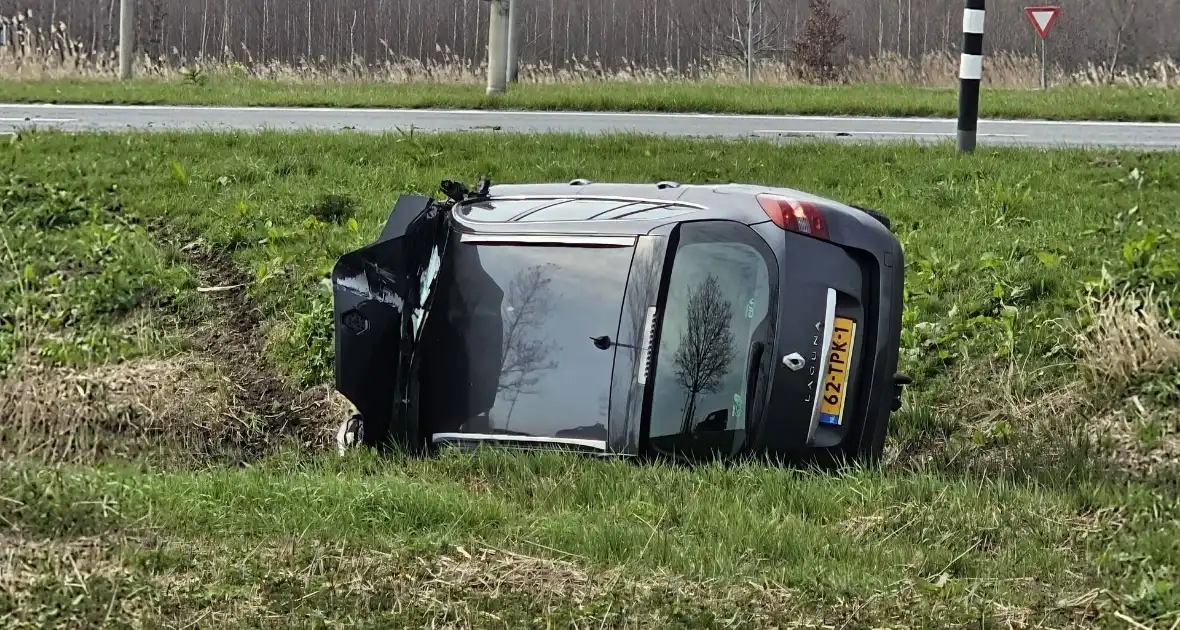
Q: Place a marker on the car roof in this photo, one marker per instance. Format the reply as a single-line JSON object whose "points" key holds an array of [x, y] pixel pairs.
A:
{"points": [[613, 207]]}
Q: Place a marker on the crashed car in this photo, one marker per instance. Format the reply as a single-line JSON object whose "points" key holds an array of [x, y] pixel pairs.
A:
{"points": [[661, 319]]}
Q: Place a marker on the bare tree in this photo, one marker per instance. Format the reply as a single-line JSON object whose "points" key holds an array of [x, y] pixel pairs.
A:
{"points": [[1121, 11], [706, 345], [151, 18], [744, 30], [523, 357], [640, 285]]}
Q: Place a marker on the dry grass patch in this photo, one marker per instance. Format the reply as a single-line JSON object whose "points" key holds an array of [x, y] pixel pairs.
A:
{"points": [[1141, 442], [183, 407], [1130, 338], [64, 414], [187, 581], [74, 584], [1131, 341], [25, 562], [999, 418]]}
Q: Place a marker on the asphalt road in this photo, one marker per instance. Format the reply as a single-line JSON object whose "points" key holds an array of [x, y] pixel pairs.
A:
{"points": [[83, 118]]}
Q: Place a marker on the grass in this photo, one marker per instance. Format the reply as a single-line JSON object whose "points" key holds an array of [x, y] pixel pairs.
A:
{"points": [[498, 541], [1060, 103], [1031, 477]]}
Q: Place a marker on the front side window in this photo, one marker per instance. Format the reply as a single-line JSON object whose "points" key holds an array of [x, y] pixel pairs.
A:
{"points": [[718, 305]]}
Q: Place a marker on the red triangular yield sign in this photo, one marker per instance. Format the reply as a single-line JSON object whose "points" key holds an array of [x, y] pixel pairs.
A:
{"points": [[1042, 18]]}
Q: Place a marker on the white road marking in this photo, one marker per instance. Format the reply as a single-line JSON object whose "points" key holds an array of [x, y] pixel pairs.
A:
{"points": [[547, 113], [44, 120], [887, 133]]}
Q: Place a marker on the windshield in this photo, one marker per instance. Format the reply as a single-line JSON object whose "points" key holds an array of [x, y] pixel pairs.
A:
{"points": [[718, 304]]}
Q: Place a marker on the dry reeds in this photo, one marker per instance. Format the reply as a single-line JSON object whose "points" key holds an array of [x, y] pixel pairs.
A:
{"points": [[36, 54]]}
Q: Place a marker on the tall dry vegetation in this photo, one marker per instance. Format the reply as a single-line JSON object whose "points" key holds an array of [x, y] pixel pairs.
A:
{"points": [[893, 41]]}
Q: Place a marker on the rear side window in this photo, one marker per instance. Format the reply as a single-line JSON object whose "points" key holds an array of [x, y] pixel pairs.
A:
{"points": [[719, 301]]}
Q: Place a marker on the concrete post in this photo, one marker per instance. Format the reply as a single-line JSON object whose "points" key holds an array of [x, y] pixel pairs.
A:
{"points": [[497, 46], [513, 41], [126, 38]]}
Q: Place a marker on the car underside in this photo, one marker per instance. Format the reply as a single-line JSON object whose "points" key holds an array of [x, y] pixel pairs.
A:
{"points": [[625, 320]]}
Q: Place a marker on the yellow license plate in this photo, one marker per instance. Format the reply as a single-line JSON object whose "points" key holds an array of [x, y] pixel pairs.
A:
{"points": [[834, 391]]}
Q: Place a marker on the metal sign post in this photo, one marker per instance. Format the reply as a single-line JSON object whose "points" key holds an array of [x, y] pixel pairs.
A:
{"points": [[970, 74], [1043, 19]]}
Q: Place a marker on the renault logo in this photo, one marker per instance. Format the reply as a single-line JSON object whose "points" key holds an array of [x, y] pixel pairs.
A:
{"points": [[795, 361]]}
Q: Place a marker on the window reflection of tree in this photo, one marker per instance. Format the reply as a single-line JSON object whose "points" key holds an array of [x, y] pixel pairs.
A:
{"points": [[706, 347], [524, 355]]}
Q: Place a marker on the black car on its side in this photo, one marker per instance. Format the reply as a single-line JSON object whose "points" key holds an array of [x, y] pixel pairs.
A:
{"points": [[623, 319]]}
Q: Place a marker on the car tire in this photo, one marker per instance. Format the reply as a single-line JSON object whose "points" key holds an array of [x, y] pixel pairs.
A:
{"points": [[350, 434]]}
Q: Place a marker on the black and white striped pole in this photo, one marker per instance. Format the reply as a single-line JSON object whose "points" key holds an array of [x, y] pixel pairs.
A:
{"points": [[970, 74]]}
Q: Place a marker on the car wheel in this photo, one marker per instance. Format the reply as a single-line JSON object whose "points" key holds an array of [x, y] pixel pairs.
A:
{"points": [[350, 434]]}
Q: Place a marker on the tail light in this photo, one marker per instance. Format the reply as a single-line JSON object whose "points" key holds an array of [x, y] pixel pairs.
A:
{"points": [[802, 217]]}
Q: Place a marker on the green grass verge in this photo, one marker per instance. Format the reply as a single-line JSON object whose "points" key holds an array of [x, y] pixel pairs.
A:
{"points": [[76, 265], [1063, 103], [501, 541], [1023, 484]]}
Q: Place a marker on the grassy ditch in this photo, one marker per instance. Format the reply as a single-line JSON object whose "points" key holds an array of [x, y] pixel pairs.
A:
{"points": [[166, 347]]}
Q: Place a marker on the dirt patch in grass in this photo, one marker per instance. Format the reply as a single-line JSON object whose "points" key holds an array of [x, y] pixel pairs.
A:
{"points": [[236, 339]]}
